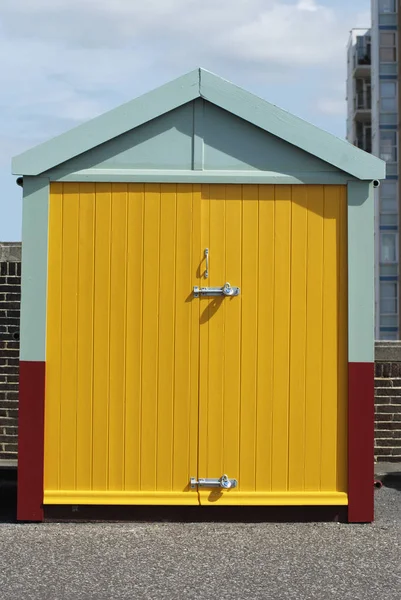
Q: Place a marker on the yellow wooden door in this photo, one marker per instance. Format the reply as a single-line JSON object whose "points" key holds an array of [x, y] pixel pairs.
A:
{"points": [[121, 409], [148, 386], [273, 360]]}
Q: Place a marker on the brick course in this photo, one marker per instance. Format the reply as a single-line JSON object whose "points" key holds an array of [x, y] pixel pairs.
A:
{"points": [[388, 401], [10, 297]]}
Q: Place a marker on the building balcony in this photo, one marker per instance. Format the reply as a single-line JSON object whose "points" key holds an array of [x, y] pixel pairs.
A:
{"points": [[362, 61], [363, 115], [364, 144], [363, 106], [362, 71]]}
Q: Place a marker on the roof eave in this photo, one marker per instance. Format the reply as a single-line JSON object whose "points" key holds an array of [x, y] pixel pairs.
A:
{"points": [[107, 126], [290, 128], [214, 89]]}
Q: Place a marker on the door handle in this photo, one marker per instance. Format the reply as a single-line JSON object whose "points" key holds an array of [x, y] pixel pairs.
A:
{"points": [[225, 290], [207, 262]]}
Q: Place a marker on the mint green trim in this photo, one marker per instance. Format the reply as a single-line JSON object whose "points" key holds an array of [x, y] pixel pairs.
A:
{"points": [[361, 298], [234, 144], [198, 136], [34, 268], [198, 153], [108, 126], [290, 128], [200, 84], [167, 176], [163, 143]]}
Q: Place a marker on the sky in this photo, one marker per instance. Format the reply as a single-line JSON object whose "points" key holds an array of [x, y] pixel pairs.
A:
{"points": [[63, 62]]}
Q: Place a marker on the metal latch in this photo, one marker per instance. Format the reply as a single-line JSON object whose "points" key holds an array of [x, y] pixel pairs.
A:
{"points": [[225, 290], [223, 482]]}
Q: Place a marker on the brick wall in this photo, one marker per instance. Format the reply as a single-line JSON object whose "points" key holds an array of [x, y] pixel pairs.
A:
{"points": [[10, 295], [388, 401]]}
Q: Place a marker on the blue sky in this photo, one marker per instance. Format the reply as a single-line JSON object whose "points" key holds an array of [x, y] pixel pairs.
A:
{"points": [[63, 62]]}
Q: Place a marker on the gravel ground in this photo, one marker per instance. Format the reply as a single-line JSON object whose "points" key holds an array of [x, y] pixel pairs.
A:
{"points": [[164, 560]]}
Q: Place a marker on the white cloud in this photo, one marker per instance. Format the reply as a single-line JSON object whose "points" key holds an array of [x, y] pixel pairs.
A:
{"points": [[63, 61], [363, 19], [286, 34], [308, 5], [332, 106]]}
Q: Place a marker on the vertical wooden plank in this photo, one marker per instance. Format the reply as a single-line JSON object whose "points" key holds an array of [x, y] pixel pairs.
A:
{"points": [[265, 338], [53, 340], [166, 338], [150, 339], [232, 333], [204, 338], [314, 303], [182, 358], [330, 338], [215, 314], [85, 334], [101, 337], [117, 335], [69, 325], [342, 277], [282, 290], [196, 258], [134, 334], [297, 339], [249, 335]]}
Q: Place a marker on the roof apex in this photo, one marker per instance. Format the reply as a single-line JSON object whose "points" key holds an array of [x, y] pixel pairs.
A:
{"points": [[195, 84]]}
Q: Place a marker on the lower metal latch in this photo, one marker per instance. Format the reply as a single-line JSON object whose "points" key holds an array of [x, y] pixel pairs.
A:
{"points": [[223, 482]]}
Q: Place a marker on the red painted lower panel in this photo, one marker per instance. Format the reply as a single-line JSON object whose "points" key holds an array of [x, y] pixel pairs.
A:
{"points": [[31, 441], [360, 442]]}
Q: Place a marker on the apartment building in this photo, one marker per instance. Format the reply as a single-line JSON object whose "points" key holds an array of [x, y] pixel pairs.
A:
{"points": [[373, 110]]}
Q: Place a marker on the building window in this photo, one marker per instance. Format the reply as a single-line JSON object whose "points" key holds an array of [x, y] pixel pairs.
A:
{"points": [[367, 131], [363, 96], [389, 269], [364, 136], [389, 321], [387, 6], [389, 335], [388, 298], [389, 219], [388, 146], [388, 47], [388, 96], [388, 247], [388, 196], [388, 204], [363, 50]]}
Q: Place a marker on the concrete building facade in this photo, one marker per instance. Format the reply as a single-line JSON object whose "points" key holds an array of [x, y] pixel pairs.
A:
{"points": [[373, 114]]}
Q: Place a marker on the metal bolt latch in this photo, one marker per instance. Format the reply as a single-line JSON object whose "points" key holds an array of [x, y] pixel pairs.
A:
{"points": [[225, 290], [226, 483], [222, 482]]}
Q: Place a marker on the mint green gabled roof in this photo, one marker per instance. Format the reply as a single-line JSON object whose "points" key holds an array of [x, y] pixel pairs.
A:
{"points": [[200, 84]]}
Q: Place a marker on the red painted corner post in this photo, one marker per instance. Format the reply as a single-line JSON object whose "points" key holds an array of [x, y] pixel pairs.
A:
{"points": [[360, 442], [31, 441]]}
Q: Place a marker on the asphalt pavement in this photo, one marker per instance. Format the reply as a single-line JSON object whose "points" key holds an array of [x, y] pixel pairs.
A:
{"points": [[206, 560]]}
